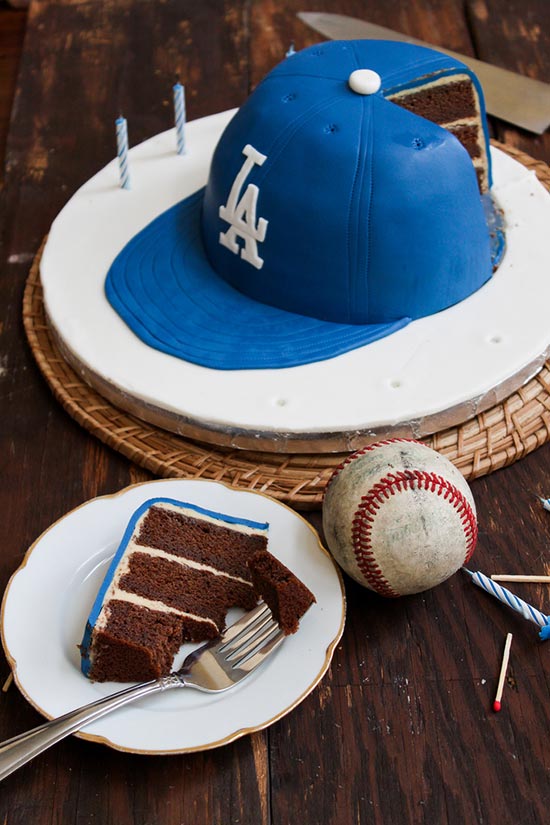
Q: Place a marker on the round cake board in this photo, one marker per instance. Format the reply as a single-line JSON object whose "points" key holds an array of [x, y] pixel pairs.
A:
{"points": [[489, 441], [436, 373]]}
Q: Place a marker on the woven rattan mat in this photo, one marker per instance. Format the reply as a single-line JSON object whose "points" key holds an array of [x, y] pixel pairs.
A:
{"points": [[491, 440]]}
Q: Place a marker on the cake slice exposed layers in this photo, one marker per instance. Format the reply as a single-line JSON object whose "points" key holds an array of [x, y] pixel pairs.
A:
{"points": [[177, 571], [451, 101], [287, 597]]}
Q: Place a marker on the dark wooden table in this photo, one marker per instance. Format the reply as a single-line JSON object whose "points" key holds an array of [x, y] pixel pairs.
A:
{"points": [[401, 728]]}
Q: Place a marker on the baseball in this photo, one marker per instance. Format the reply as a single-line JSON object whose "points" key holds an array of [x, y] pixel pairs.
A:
{"points": [[399, 517]]}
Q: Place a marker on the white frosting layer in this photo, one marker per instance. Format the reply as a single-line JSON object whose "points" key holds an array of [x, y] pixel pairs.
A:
{"points": [[114, 591], [151, 604], [497, 337], [246, 529], [133, 547]]}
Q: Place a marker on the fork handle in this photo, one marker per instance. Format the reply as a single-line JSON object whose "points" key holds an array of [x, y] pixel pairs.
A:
{"points": [[16, 752]]}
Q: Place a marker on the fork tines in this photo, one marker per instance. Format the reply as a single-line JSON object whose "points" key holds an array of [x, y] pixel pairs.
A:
{"points": [[244, 626], [252, 641]]}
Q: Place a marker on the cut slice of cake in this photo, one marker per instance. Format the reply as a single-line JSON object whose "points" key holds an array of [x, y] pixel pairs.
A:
{"points": [[175, 574], [287, 597], [453, 102]]}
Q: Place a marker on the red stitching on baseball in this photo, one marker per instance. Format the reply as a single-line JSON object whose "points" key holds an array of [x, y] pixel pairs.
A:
{"points": [[367, 449], [390, 485]]}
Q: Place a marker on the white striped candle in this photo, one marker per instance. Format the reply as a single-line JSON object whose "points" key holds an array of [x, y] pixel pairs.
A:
{"points": [[122, 151], [179, 116], [527, 611]]}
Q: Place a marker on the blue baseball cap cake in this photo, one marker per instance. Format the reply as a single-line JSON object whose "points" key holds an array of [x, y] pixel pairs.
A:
{"points": [[345, 200]]}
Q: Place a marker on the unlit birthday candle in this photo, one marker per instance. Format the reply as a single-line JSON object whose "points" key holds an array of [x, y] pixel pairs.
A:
{"points": [[122, 151], [179, 115], [527, 611]]}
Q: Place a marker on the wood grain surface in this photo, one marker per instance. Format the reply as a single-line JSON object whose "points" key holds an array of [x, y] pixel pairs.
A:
{"points": [[401, 728], [12, 29]]}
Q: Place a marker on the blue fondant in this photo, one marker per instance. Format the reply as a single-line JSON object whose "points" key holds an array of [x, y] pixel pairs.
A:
{"points": [[374, 218], [495, 225], [98, 603], [401, 66], [175, 302], [545, 633]]}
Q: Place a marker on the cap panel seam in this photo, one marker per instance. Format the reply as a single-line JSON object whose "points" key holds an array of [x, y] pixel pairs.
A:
{"points": [[370, 178], [352, 247], [352, 216], [284, 75], [362, 198]]}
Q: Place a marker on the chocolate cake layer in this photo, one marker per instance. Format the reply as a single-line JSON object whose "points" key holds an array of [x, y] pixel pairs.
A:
{"points": [[468, 135], [199, 540], [199, 592], [287, 597], [177, 571], [135, 644], [442, 103], [452, 102]]}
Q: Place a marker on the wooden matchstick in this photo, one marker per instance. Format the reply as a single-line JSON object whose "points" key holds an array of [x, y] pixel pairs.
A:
{"points": [[509, 578], [503, 669]]}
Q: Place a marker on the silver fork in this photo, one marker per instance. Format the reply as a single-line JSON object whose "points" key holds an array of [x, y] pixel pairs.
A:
{"points": [[214, 667]]}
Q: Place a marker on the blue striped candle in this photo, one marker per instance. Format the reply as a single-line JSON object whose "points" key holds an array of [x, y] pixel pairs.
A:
{"points": [[507, 597], [179, 115], [122, 151]]}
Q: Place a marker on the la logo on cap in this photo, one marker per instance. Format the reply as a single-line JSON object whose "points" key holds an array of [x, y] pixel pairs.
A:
{"points": [[241, 214]]}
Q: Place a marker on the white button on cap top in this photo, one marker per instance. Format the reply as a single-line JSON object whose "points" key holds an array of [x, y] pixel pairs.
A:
{"points": [[364, 81]]}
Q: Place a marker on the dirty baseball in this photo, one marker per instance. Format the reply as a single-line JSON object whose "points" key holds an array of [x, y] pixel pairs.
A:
{"points": [[399, 517]]}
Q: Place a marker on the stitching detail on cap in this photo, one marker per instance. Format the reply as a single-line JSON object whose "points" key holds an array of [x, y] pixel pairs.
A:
{"points": [[352, 253], [390, 485], [370, 178], [349, 233]]}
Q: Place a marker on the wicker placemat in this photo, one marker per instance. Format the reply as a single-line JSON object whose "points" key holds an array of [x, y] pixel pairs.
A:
{"points": [[491, 440]]}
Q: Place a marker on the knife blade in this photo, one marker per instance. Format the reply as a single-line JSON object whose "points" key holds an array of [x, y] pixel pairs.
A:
{"points": [[514, 98]]}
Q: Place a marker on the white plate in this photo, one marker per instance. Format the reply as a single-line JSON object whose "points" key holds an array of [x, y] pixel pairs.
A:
{"points": [[49, 597]]}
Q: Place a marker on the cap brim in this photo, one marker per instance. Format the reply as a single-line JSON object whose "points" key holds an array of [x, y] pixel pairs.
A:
{"points": [[164, 288]]}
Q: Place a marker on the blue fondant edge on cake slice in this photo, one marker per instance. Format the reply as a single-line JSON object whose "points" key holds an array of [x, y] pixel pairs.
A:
{"points": [[136, 515]]}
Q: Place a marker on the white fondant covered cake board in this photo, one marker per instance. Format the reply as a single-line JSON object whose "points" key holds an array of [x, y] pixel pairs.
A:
{"points": [[437, 372]]}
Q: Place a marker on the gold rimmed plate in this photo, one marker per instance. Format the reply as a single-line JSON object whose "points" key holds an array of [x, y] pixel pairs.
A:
{"points": [[48, 599]]}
